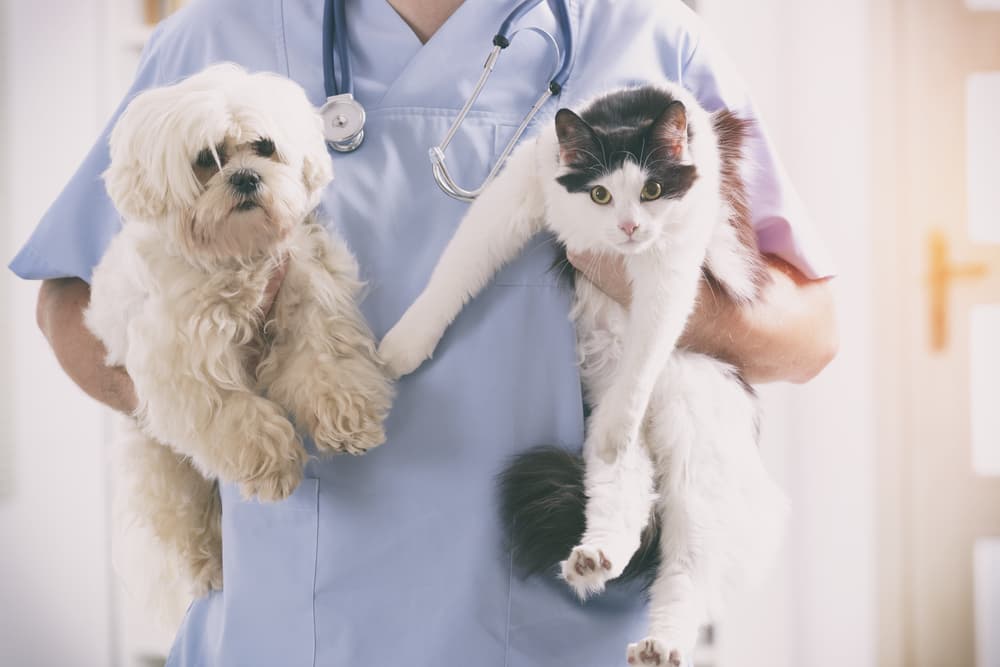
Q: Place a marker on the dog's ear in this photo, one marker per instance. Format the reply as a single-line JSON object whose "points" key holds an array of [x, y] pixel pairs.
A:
{"points": [[317, 168], [133, 152], [131, 192]]}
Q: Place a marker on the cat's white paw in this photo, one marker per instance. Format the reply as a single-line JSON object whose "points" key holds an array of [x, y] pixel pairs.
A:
{"points": [[587, 570], [654, 652], [406, 346]]}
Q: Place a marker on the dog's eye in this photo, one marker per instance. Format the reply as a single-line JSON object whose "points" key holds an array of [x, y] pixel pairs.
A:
{"points": [[205, 159], [264, 147]]}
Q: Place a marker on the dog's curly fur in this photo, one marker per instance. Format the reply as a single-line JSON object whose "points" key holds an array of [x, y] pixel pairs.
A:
{"points": [[216, 178]]}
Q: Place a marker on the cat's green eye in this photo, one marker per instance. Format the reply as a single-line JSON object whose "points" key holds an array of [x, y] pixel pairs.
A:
{"points": [[600, 195], [650, 191]]}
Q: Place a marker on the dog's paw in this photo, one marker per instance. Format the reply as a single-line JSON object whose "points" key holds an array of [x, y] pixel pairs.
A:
{"points": [[654, 652], [587, 570], [206, 574], [370, 433], [275, 483], [272, 461], [347, 426], [406, 346]]}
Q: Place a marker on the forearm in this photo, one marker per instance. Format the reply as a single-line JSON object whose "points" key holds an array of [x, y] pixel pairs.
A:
{"points": [[61, 304], [789, 334]]}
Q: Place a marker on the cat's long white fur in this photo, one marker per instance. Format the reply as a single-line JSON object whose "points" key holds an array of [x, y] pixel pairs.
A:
{"points": [[672, 431]]}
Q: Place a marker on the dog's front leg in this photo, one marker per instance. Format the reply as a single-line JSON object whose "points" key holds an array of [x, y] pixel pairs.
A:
{"points": [[322, 364], [196, 394]]}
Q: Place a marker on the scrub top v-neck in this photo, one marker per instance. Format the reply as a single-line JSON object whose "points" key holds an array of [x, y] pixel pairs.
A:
{"points": [[398, 556]]}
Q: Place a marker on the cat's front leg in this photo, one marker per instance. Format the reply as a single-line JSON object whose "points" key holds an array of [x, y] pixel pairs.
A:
{"points": [[665, 286], [321, 364], [614, 425], [496, 227], [413, 339], [678, 609], [620, 497]]}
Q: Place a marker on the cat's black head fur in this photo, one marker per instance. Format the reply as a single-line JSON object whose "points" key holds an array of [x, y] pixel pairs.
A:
{"points": [[644, 125]]}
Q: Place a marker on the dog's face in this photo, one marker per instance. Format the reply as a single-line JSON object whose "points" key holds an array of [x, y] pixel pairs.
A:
{"points": [[227, 161]]}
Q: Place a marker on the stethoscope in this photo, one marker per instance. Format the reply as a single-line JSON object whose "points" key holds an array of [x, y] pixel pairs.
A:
{"points": [[344, 117]]}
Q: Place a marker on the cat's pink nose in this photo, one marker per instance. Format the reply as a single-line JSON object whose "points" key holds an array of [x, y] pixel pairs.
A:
{"points": [[628, 227]]}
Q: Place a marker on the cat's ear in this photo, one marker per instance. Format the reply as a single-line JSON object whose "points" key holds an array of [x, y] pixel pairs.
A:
{"points": [[576, 138], [670, 129]]}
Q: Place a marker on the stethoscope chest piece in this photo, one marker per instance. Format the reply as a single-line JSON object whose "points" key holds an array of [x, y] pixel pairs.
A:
{"points": [[343, 122]]}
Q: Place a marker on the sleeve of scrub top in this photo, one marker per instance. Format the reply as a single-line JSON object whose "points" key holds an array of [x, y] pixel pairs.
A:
{"points": [[73, 234], [783, 226]]}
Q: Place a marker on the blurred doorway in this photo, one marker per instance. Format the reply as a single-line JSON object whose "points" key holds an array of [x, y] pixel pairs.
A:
{"points": [[941, 531]]}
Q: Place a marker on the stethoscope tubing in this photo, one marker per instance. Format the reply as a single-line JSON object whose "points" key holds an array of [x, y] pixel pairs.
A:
{"points": [[335, 28], [345, 139], [505, 34]]}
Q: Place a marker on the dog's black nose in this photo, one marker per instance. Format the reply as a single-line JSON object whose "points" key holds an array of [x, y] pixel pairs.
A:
{"points": [[245, 181]]}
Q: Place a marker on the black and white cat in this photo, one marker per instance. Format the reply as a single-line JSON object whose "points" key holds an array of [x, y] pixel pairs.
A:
{"points": [[647, 174]]}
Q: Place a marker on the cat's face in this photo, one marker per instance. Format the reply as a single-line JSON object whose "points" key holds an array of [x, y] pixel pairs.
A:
{"points": [[623, 173]]}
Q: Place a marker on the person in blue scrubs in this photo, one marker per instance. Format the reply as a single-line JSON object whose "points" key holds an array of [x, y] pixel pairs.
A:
{"points": [[397, 556]]}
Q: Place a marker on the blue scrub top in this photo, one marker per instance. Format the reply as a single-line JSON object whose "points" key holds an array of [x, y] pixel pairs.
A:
{"points": [[398, 555]]}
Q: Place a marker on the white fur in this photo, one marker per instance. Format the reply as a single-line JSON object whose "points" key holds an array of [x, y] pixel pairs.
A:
{"points": [[672, 431], [177, 299]]}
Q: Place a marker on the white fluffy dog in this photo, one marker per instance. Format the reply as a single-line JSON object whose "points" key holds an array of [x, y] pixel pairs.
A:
{"points": [[216, 178]]}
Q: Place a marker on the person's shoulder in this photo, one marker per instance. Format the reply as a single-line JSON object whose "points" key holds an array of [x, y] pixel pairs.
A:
{"points": [[216, 17], [669, 18], [209, 31], [627, 42], [673, 10]]}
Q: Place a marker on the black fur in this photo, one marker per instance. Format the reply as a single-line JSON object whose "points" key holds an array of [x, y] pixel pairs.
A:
{"points": [[542, 502], [618, 127]]}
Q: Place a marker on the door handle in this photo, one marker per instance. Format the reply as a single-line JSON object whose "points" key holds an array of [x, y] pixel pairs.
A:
{"points": [[941, 272]]}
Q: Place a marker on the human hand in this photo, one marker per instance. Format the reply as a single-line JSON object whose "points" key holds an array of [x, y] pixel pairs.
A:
{"points": [[789, 333], [607, 272], [121, 391]]}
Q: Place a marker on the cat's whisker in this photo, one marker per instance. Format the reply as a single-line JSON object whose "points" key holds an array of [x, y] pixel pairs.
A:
{"points": [[598, 260], [716, 296], [563, 268], [642, 154], [542, 242], [588, 153]]}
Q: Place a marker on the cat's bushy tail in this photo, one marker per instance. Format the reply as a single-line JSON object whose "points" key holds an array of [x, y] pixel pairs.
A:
{"points": [[542, 501]]}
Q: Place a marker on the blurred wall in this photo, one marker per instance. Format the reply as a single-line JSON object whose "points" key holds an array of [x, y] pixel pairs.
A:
{"points": [[6, 293], [55, 606], [807, 63]]}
